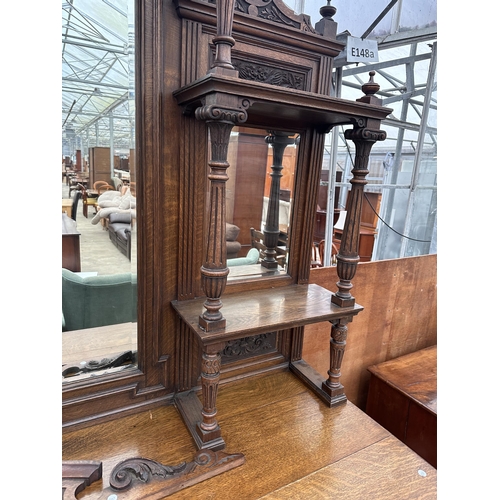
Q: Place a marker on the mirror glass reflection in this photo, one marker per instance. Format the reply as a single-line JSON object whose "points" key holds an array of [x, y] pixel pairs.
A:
{"points": [[259, 198], [99, 258]]}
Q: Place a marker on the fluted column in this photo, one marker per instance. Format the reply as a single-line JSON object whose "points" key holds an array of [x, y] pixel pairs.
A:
{"points": [[220, 121], [278, 141], [364, 135]]}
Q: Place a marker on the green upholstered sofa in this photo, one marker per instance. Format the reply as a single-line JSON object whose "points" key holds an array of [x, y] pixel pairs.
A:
{"points": [[90, 301], [252, 257]]}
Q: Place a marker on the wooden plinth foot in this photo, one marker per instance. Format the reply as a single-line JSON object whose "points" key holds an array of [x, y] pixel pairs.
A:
{"points": [[190, 409], [309, 376]]}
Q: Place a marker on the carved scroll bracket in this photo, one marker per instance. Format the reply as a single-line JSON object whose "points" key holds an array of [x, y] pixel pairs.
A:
{"points": [[134, 477]]}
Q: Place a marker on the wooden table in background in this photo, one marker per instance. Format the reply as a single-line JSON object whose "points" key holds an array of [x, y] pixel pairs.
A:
{"points": [[403, 399], [67, 203]]}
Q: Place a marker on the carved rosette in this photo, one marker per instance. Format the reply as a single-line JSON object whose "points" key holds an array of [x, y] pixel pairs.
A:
{"points": [[220, 121]]}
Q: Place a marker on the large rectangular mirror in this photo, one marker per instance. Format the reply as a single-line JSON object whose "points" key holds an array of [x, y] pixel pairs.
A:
{"points": [[99, 170], [259, 201]]}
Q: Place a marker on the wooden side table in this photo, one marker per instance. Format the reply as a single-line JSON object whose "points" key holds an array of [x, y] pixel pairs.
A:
{"points": [[67, 204], [403, 398]]}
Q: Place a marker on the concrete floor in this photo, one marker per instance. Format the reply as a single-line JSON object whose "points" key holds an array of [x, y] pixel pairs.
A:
{"points": [[97, 252]]}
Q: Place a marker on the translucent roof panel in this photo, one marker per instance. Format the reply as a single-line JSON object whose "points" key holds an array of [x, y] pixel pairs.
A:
{"points": [[97, 62]]}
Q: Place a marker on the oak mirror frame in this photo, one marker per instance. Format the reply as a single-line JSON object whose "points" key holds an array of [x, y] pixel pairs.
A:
{"points": [[165, 270]]}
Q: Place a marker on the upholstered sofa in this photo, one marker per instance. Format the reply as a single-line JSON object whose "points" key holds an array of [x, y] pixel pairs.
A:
{"points": [[120, 231], [90, 301], [252, 257], [115, 202], [232, 246]]}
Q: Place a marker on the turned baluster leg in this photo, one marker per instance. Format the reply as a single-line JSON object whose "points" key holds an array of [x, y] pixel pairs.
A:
{"points": [[364, 135], [279, 141], [220, 121], [208, 429], [332, 385]]}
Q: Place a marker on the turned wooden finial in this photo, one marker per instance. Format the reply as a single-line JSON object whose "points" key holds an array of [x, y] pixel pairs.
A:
{"points": [[327, 11], [224, 41], [327, 26], [370, 89]]}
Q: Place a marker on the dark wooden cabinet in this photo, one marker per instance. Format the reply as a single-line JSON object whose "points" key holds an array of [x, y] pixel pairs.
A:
{"points": [[70, 245], [403, 398]]}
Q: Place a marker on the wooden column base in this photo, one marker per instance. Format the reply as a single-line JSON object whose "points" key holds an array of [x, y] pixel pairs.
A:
{"points": [[269, 265], [211, 326], [339, 301], [190, 409], [309, 376]]}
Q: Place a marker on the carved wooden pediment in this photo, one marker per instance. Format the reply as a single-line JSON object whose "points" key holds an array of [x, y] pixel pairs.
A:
{"points": [[274, 10]]}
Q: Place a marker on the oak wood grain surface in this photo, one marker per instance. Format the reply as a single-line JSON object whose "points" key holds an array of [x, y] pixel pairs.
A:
{"points": [[253, 312], [414, 374], [287, 435], [400, 316]]}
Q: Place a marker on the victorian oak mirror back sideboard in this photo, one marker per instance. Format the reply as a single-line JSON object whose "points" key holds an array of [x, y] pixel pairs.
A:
{"points": [[204, 78], [207, 74]]}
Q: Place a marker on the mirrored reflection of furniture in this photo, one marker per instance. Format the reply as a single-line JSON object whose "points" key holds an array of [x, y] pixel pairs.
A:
{"points": [[232, 245], [90, 301], [81, 347], [70, 244], [281, 248], [367, 228], [111, 201], [77, 196], [120, 232], [67, 203], [87, 201]]}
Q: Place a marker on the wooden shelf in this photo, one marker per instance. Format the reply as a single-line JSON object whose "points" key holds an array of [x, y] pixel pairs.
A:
{"points": [[262, 311]]}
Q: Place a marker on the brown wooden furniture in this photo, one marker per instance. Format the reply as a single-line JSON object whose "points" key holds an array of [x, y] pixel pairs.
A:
{"points": [[366, 242], [191, 87], [295, 448], [400, 317], [100, 168], [403, 398], [223, 98], [67, 203], [87, 200], [70, 245]]}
